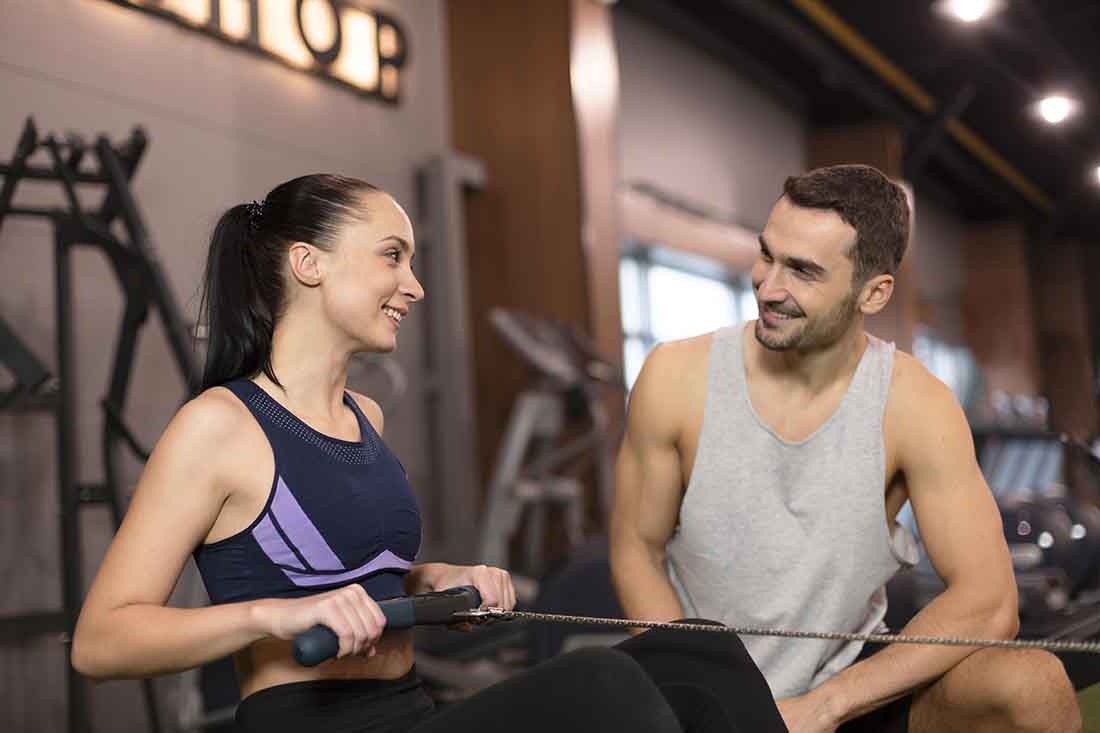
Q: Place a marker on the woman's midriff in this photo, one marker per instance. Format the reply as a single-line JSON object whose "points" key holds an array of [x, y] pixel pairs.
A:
{"points": [[270, 662]]}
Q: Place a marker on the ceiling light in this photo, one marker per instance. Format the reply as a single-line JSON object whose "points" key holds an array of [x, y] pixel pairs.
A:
{"points": [[968, 11], [1056, 108], [1097, 172]]}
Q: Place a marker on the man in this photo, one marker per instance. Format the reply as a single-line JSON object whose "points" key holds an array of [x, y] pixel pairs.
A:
{"points": [[763, 468]]}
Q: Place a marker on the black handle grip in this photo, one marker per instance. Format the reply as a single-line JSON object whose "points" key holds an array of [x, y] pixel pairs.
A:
{"points": [[320, 642]]}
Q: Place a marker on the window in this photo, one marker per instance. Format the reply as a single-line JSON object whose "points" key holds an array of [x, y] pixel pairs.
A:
{"points": [[667, 295], [952, 365]]}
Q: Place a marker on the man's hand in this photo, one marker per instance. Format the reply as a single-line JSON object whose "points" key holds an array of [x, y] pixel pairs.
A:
{"points": [[809, 713]]}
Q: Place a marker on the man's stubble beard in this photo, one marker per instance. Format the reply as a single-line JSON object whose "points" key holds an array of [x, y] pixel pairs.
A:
{"points": [[820, 332]]}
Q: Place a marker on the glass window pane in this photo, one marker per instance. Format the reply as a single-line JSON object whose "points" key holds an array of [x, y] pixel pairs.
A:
{"points": [[634, 353], [683, 304], [630, 297], [746, 299], [953, 365]]}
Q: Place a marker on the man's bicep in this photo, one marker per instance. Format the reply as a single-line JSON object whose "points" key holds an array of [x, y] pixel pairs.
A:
{"points": [[956, 514], [648, 477], [648, 490]]}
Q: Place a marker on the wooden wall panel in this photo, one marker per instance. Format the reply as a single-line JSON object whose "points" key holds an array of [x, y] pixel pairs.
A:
{"points": [[998, 307], [1061, 317], [1090, 257], [512, 108]]}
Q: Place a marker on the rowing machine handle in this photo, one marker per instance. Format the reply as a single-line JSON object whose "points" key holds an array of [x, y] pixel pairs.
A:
{"points": [[320, 642]]}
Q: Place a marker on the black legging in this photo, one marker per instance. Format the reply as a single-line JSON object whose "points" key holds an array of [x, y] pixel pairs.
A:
{"points": [[594, 689], [709, 680], [658, 682]]}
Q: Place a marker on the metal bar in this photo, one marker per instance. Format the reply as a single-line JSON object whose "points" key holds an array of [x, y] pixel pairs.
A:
{"points": [[118, 426], [36, 173], [28, 141], [69, 499], [93, 493], [29, 371], [65, 177], [129, 158], [77, 148], [26, 625], [131, 277], [171, 317], [18, 401], [925, 142], [35, 211]]}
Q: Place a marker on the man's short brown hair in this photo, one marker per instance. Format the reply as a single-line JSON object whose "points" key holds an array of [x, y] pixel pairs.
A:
{"points": [[866, 200]]}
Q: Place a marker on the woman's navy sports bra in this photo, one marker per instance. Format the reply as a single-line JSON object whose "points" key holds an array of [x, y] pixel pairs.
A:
{"points": [[339, 512]]}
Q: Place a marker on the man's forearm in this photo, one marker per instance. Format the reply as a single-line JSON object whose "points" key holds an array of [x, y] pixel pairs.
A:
{"points": [[642, 583], [901, 668]]}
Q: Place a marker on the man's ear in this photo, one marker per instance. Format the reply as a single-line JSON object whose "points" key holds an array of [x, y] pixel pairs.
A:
{"points": [[305, 264], [875, 294]]}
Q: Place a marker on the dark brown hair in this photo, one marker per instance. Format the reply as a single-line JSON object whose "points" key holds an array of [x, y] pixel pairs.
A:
{"points": [[866, 200]]}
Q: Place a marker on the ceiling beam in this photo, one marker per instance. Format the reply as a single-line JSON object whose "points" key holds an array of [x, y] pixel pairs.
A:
{"points": [[921, 146], [773, 18]]}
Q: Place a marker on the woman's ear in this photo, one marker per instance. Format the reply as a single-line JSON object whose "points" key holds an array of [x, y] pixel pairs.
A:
{"points": [[305, 264]]}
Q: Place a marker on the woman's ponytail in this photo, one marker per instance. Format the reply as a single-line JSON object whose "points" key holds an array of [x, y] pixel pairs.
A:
{"points": [[239, 324]]}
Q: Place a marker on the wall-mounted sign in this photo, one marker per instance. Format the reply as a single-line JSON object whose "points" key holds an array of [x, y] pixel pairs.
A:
{"points": [[338, 40]]}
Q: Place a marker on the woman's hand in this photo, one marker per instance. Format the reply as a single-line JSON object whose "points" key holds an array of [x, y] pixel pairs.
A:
{"points": [[351, 614], [494, 584]]}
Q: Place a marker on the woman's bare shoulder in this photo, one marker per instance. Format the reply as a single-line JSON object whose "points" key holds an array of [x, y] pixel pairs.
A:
{"points": [[209, 422], [371, 409]]}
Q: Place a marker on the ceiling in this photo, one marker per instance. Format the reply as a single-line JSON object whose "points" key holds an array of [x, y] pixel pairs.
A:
{"points": [[962, 94]]}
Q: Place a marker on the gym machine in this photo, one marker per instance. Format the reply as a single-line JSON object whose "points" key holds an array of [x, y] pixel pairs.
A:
{"points": [[117, 229]]}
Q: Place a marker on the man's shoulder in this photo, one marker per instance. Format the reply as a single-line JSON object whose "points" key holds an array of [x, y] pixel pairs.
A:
{"points": [[912, 379], [917, 397], [671, 383], [691, 352]]}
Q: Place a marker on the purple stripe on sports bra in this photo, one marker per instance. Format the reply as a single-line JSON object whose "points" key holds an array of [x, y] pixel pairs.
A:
{"points": [[301, 532], [273, 545], [385, 560]]}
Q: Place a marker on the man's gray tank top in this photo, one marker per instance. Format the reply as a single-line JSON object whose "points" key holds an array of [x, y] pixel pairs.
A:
{"points": [[786, 535]]}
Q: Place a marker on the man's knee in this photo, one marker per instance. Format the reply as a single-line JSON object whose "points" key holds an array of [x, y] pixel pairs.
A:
{"points": [[1030, 690]]}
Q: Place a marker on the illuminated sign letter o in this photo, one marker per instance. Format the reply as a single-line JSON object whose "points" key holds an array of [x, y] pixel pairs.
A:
{"points": [[325, 57]]}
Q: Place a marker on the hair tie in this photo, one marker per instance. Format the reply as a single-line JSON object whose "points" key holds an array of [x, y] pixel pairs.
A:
{"points": [[255, 214]]}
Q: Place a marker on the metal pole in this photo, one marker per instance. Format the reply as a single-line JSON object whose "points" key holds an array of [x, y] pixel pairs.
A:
{"points": [[67, 474]]}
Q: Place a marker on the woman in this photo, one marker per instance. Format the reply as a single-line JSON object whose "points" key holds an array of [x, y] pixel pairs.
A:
{"points": [[276, 478]]}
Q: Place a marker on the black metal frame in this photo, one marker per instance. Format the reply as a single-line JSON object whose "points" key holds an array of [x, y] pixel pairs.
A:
{"points": [[143, 284], [31, 375]]}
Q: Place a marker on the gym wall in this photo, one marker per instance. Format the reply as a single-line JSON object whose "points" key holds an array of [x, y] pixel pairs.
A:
{"points": [[691, 126], [224, 126]]}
